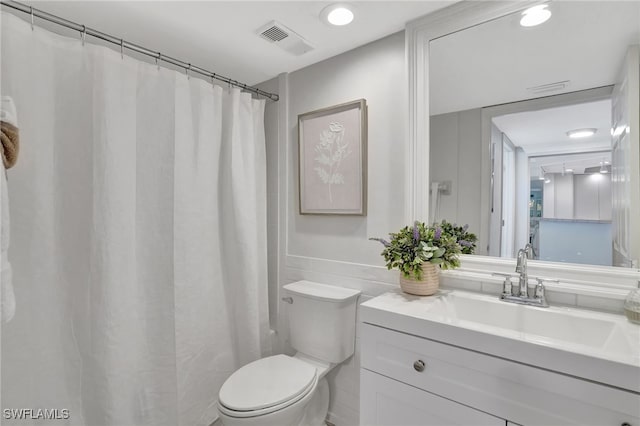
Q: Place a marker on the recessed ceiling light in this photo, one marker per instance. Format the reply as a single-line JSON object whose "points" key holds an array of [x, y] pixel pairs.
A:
{"points": [[535, 15], [338, 14], [581, 133]]}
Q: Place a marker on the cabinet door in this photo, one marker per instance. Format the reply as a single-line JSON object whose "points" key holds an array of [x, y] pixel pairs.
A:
{"points": [[387, 402]]}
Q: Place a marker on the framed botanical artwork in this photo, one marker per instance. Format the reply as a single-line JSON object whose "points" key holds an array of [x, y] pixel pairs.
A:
{"points": [[332, 146]]}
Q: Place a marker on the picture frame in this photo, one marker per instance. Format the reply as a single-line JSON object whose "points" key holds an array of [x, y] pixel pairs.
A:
{"points": [[332, 160]]}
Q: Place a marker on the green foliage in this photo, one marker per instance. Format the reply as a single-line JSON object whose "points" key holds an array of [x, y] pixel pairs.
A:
{"points": [[466, 239], [412, 246]]}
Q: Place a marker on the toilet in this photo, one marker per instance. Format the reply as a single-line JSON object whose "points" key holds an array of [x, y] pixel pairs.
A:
{"points": [[284, 390]]}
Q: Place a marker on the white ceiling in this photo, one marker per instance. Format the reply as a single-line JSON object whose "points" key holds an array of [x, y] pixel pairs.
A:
{"points": [[495, 63], [544, 132], [221, 35]]}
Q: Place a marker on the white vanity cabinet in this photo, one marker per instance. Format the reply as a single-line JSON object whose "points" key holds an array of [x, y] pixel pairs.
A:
{"points": [[407, 379]]}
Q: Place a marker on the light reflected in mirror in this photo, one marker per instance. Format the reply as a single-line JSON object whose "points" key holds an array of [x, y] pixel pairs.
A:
{"points": [[505, 102]]}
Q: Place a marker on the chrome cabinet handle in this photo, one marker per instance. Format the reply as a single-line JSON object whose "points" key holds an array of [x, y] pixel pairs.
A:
{"points": [[288, 300], [419, 366]]}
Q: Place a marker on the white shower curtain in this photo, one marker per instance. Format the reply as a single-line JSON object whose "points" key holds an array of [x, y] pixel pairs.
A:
{"points": [[138, 235]]}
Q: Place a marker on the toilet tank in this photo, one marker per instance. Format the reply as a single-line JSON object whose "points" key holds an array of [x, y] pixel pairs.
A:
{"points": [[322, 320]]}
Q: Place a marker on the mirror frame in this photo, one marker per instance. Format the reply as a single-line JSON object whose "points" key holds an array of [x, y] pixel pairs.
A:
{"points": [[608, 281]]}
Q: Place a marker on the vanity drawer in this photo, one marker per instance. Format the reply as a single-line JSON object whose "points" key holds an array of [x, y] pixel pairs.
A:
{"points": [[390, 403], [520, 393]]}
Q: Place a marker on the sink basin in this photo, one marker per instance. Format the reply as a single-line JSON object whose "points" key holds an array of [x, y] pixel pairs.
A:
{"points": [[596, 346], [553, 324]]}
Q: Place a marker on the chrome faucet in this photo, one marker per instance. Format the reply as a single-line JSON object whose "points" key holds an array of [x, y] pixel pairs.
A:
{"points": [[521, 268], [520, 294]]}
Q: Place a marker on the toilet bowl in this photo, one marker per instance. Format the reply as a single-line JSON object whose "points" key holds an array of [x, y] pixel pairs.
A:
{"points": [[274, 391], [284, 390]]}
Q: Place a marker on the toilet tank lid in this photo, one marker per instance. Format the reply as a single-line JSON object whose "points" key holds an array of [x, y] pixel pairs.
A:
{"points": [[319, 291]]}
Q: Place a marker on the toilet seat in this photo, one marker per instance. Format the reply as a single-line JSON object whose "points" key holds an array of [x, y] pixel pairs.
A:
{"points": [[266, 385]]}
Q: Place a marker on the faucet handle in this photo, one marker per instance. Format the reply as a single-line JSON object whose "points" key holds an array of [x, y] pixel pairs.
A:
{"points": [[540, 289], [539, 293], [506, 286], [505, 274], [541, 280]]}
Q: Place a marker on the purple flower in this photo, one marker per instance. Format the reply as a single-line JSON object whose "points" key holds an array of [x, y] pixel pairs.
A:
{"points": [[465, 227], [416, 234], [465, 243], [437, 234], [381, 240]]}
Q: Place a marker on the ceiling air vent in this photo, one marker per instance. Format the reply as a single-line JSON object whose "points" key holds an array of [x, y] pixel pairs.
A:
{"points": [[550, 87], [598, 169], [276, 33]]}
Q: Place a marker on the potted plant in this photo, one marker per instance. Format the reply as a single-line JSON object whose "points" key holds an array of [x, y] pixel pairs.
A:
{"points": [[420, 251], [466, 239]]}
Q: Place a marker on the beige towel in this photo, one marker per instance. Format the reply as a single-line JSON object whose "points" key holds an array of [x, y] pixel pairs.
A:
{"points": [[10, 144]]}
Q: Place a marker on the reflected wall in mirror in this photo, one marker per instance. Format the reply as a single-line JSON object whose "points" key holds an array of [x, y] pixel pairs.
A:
{"points": [[535, 130]]}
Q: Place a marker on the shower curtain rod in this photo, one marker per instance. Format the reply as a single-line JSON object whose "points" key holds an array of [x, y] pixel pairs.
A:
{"points": [[84, 30]]}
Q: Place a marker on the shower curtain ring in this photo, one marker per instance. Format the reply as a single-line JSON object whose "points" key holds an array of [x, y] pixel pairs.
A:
{"points": [[83, 34], [122, 48], [31, 12], [187, 72], [158, 59]]}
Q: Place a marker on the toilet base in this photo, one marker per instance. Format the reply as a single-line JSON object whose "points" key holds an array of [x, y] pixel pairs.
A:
{"points": [[318, 407]]}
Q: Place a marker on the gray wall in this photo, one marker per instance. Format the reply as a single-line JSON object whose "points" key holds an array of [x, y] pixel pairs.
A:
{"points": [[586, 197], [592, 197], [375, 72], [455, 155]]}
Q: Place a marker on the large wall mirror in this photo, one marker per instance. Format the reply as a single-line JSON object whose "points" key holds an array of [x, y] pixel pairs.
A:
{"points": [[534, 132]]}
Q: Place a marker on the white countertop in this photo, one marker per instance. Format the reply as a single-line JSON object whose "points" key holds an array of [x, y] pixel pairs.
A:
{"points": [[601, 347]]}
